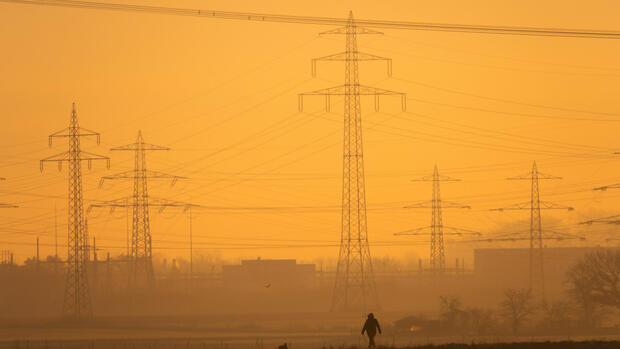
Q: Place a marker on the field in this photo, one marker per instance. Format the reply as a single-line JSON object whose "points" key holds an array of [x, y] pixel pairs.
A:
{"points": [[300, 331]]}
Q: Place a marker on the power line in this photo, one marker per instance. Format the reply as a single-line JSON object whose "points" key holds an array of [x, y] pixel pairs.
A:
{"points": [[509, 101], [277, 18]]}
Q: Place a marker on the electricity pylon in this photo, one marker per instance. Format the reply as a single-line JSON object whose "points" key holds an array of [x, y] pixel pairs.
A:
{"points": [[537, 275], [77, 304], [437, 253], [354, 288], [141, 266]]}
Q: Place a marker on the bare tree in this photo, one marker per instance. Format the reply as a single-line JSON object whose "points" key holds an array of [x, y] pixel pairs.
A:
{"points": [[581, 294], [557, 315], [594, 282], [451, 311], [482, 320], [598, 273], [517, 307]]}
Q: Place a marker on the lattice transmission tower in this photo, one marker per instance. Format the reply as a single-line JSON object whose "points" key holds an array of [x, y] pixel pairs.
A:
{"points": [[536, 267], [437, 252], [77, 303], [354, 288], [141, 257]]}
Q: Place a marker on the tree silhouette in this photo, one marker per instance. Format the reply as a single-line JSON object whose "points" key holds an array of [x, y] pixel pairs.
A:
{"points": [[594, 282], [517, 306]]}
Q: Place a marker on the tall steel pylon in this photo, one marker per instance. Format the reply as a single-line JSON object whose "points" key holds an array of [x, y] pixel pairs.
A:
{"points": [[354, 288], [437, 252], [77, 303], [536, 267], [141, 266]]}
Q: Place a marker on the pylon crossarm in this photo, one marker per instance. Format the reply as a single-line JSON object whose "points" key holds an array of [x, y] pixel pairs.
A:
{"points": [[605, 220], [164, 203], [122, 175], [450, 204], [64, 156], [426, 231], [429, 178], [112, 204], [423, 204], [611, 186], [562, 236], [139, 146], [460, 231], [553, 206], [519, 206], [515, 239], [360, 56], [344, 90], [529, 175], [348, 30], [90, 156], [444, 204], [58, 158], [162, 175], [68, 132], [414, 231], [148, 174], [547, 176]]}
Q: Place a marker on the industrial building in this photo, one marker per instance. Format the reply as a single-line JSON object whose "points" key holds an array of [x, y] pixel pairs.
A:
{"points": [[274, 274]]}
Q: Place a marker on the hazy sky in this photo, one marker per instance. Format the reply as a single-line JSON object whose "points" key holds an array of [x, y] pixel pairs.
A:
{"points": [[223, 95]]}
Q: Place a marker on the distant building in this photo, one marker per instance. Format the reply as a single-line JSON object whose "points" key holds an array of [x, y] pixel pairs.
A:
{"points": [[509, 267], [274, 274]]}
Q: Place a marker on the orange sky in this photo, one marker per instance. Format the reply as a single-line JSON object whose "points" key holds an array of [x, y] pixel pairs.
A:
{"points": [[223, 95]]}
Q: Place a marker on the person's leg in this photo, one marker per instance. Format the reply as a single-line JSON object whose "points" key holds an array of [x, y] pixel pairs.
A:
{"points": [[371, 341]]}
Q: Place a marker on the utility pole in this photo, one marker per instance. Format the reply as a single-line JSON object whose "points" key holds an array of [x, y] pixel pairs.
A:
{"points": [[38, 258], [437, 252], [77, 303], [95, 263], [537, 275], [354, 289], [141, 258], [191, 251], [55, 232], [87, 246], [127, 231]]}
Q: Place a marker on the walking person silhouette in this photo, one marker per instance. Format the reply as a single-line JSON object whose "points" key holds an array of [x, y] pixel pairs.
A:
{"points": [[370, 327]]}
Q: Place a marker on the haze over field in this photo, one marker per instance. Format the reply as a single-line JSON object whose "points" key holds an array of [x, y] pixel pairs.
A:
{"points": [[230, 194]]}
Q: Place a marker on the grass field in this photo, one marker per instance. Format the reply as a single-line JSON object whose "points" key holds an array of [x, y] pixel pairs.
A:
{"points": [[197, 344]]}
